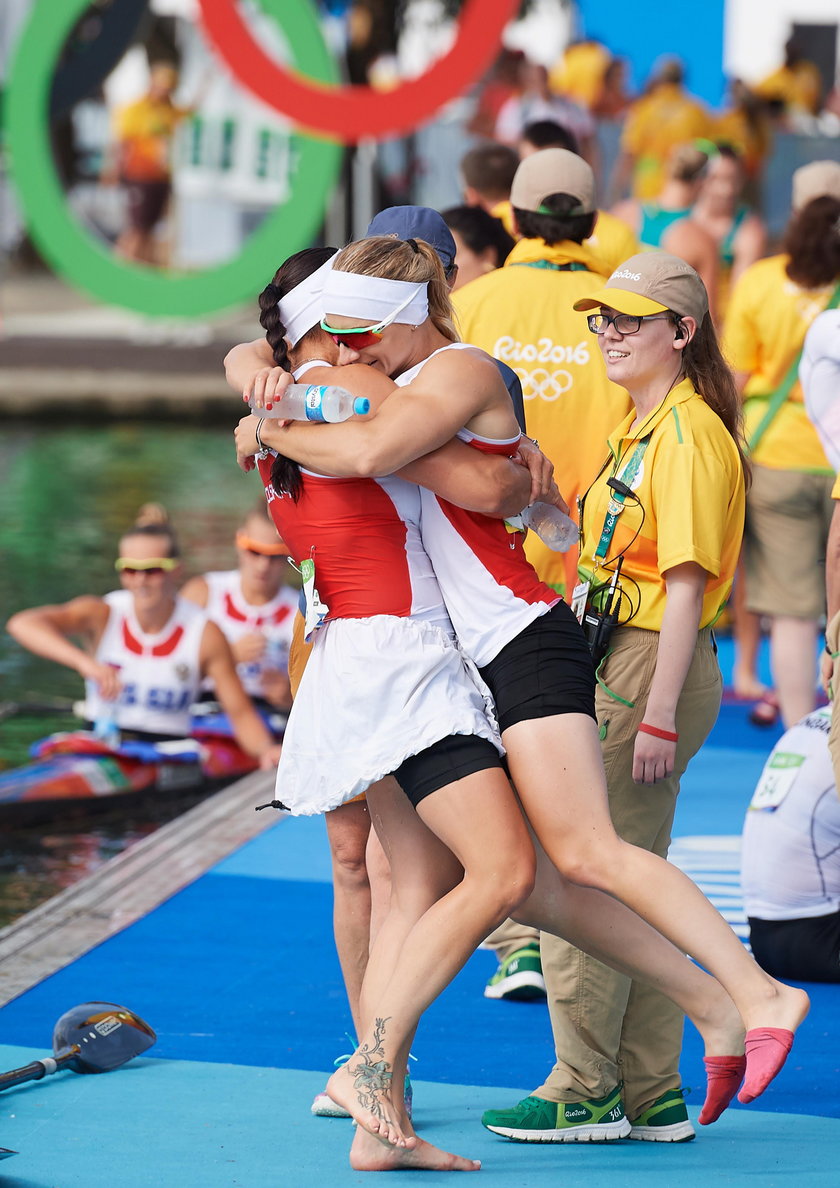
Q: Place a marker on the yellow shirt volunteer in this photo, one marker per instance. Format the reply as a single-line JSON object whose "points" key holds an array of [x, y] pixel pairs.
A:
{"points": [[689, 506], [752, 140], [580, 72], [799, 87], [144, 130], [612, 241], [656, 124], [522, 314], [766, 321]]}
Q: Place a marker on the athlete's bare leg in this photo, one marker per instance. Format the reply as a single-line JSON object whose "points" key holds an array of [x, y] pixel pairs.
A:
{"points": [[479, 820], [556, 765], [348, 827]]}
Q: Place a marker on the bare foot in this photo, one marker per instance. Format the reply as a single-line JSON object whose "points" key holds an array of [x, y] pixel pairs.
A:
{"points": [[748, 687], [784, 1006], [721, 1025], [371, 1154], [363, 1087]]}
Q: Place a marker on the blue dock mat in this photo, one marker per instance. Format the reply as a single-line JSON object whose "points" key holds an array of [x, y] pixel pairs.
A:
{"points": [[238, 975]]}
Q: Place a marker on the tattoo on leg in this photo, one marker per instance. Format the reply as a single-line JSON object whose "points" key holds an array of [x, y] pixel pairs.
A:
{"points": [[371, 1076]]}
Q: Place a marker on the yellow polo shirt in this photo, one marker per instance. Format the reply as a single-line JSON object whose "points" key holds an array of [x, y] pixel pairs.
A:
{"points": [[612, 241], [580, 72], [799, 87], [690, 492], [766, 321], [835, 490], [656, 124], [145, 130], [522, 314]]}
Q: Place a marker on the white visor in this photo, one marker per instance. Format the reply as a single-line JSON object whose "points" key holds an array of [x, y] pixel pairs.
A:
{"points": [[300, 309], [374, 299]]}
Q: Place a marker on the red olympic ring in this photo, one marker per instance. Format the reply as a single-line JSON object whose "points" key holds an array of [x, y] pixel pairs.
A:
{"points": [[349, 113]]}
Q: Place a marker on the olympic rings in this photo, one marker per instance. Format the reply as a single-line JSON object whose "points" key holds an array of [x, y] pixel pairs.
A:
{"points": [[547, 385], [82, 259], [354, 112]]}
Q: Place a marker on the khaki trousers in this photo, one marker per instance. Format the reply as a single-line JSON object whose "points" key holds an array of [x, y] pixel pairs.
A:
{"points": [[608, 1029], [832, 637]]}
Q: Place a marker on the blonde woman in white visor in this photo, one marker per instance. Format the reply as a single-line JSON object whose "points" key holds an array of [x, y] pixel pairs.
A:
{"points": [[539, 671]]}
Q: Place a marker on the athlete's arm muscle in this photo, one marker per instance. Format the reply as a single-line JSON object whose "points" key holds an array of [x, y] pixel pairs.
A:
{"points": [[461, 388], [44, 630], [217, 664], [196, 590]]}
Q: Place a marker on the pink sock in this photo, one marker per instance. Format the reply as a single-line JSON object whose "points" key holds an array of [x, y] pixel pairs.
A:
{"points": [[767, 1049], [724, 1075]]}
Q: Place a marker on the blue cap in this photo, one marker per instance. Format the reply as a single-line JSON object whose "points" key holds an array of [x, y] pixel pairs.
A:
{"points": [[416, 222]]}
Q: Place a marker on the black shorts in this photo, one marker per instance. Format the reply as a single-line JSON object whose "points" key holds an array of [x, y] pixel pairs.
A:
{"points": [[546, 670], [443, 763], [146, 203], [799, 950]]}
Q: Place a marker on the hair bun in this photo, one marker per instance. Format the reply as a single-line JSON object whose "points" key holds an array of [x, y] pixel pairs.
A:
{"points": [[152, 515]]}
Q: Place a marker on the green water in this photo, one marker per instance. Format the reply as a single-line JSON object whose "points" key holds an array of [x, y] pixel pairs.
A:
{"points": [[66, 496]]}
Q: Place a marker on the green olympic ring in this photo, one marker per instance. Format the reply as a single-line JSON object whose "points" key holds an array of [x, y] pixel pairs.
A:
{"points": [[85, 261]]}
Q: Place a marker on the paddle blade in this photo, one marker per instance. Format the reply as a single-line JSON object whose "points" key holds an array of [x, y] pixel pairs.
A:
{"points": [[100, 1036]]}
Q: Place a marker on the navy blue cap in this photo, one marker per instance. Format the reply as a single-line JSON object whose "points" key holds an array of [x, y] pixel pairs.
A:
{"points": [[416, 222]]}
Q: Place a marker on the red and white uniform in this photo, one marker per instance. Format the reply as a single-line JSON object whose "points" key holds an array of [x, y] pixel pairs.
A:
{"points": [[385, 678], [227, 607], [160, 673], [490, 588]]}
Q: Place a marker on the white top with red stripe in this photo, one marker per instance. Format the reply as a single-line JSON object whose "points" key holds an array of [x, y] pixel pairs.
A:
{"points": [[160, 673], [363, 535], [490, 588], [227, 606]]}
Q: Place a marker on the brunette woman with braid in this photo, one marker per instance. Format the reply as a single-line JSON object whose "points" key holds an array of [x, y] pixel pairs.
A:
{"points": [[424, 712], [389, 299]]}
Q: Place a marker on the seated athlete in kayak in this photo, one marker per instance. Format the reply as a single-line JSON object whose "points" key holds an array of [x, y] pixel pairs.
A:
{"points": [[255, 607], [144, 650]]}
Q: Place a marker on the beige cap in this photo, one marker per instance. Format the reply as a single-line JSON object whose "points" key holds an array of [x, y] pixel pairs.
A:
{"points": [[650, 283], [553, 171], [817, 180]]}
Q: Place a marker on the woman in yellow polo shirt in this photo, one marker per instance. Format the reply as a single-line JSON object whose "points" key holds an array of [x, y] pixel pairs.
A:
{"points": [[661, 531], [789, 507]]}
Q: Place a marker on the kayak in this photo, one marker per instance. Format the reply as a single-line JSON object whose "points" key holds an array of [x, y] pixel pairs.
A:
{"points": [[75, 765]]}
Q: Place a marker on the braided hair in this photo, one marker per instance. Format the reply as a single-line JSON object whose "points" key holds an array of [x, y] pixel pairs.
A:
{"points": [[285, 474]]}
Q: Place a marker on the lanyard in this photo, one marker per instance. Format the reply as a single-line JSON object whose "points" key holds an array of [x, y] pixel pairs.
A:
{"points": [[573, 266], [616, 502]]}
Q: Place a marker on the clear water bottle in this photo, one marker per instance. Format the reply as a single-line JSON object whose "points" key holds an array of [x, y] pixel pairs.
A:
{"points": [[552, 526], [105, 727], [315, 402]]}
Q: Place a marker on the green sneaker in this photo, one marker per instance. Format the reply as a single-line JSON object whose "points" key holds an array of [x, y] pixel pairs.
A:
{"points": [[518, 977], [666, 1121], [537, 1121]]}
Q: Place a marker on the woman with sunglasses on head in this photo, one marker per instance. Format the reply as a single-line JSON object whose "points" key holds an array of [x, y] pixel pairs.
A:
{"points": [[532, 655], [144, 650], [255, 609]]}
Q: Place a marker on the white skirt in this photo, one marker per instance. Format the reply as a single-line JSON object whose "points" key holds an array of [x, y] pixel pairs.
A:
{"points": [[374, 692]]}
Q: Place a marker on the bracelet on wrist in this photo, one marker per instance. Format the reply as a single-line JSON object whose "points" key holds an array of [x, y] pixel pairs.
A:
{"points": [[257, 434], [667, 735]]}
